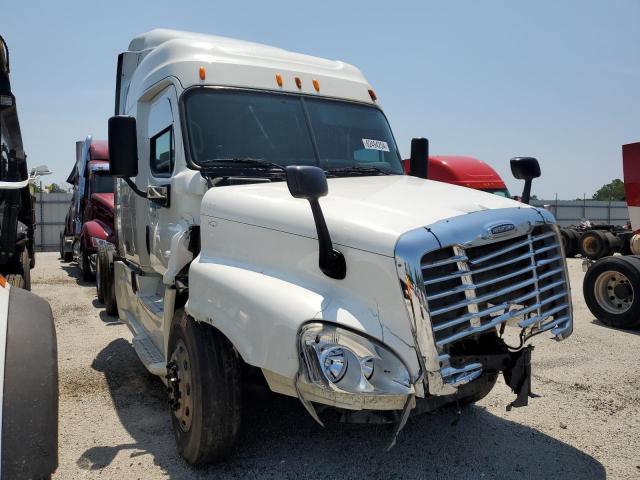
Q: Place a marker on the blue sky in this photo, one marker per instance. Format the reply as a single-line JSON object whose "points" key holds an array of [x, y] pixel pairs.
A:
{"points": [[493, 79]]}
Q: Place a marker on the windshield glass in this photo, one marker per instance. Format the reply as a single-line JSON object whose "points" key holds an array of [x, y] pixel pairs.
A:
{"points": [[288, 130], [501, 192], [101, 183]]}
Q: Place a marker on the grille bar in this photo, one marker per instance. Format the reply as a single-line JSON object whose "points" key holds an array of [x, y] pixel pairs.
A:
{"points": [[485, 298], [512, 247], [456, 259], [472, 289]]}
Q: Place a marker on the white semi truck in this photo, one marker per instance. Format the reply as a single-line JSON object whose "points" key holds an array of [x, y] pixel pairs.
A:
{"points": [[264, 224]]}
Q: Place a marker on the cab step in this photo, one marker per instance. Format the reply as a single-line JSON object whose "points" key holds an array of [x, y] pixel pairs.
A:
{"points": [[149, 355]]}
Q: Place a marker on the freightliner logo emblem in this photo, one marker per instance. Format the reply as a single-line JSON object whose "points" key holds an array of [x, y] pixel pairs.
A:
{"points": [[502, 228]]}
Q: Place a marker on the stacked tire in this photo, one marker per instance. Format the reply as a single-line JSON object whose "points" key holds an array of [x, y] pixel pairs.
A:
{"points": [[596, 244], [570, 240], [105, 287]]}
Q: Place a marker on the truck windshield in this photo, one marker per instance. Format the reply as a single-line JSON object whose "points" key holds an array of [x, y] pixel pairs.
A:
{"points": [[501, 192], [289, 130], [101, 183]]}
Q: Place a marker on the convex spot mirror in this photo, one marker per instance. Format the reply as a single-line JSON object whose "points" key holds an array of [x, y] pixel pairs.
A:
{"points": [[525, 168], [123, 147], [307, 182]]}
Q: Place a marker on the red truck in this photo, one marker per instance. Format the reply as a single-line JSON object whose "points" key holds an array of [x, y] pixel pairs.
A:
{"points": [[89, 222], [465, 172], [611, 285]]}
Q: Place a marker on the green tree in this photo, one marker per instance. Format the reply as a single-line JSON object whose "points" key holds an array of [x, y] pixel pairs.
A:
{"points": [[613, 191], [55, 188]]}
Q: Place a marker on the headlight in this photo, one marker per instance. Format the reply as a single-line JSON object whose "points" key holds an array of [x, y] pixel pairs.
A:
{"points": [[339, 358], [96, 242]]}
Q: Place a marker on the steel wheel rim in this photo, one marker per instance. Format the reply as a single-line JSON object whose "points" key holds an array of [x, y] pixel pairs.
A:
{"points": [[184, 412], [605, 292]]}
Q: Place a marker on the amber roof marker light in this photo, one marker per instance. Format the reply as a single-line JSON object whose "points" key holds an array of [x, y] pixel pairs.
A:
{"points": [[279, 79], [298, 82], [316, 85], [373, 95], [202, 72]]}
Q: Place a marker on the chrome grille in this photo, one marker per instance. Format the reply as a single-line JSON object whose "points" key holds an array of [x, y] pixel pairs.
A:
{"points": [[474, 289]]}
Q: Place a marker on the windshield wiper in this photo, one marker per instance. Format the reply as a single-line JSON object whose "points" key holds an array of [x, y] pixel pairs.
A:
{"points": [[244, 161], [356, 170]]}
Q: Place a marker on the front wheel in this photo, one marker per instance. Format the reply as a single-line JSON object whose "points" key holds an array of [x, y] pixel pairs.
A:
{"points": [[85, 265], [612, 291], [100, 283], [21, 279], [104, 264], [203, 377]]}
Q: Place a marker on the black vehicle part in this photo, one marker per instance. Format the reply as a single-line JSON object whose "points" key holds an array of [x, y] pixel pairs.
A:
{"points": [[100, 276], [30, 402], [570, 240], [495, 357], [594, 244], [26, 268], [614, 242], [85, 265], [20, 273], [207, 432], [310, 183], [105, 267], [64, 256], [611, 290]]}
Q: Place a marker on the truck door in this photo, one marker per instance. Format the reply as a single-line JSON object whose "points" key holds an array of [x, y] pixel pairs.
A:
{"points": [[163, 217]]}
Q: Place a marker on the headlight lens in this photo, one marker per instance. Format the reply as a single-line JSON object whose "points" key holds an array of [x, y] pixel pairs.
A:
{"points": [[341, 359], [96, 242]]}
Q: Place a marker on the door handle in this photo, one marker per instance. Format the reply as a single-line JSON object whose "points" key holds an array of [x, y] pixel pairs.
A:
{"points": [[159, 194]]}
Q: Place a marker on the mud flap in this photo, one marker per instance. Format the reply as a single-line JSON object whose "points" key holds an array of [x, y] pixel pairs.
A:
{"points": [[518, 377]]}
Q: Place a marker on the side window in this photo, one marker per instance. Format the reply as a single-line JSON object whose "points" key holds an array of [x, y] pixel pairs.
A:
{"points": [[161, 146]]}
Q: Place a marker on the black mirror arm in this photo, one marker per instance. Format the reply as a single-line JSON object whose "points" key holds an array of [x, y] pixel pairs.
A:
{"points": [[526, 193], [331, 261], [134, 187]]}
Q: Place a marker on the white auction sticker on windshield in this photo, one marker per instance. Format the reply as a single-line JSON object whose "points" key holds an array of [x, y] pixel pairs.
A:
{"points": [[375, 145]]}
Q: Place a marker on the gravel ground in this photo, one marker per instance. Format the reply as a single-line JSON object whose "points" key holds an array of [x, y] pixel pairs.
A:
{"points": [[114, 423]]}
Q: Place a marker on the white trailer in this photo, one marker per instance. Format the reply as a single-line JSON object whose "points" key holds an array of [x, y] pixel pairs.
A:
{"points": [[388, 296]]}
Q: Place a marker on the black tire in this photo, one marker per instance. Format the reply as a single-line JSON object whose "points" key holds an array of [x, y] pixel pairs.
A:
{"points": [[614, 242], [569, 240], [574, 238], [109, 288], [485, 384], [214, 392], [26, 269], [611, 290], [32, 260], [65, 257], [100, 275], [21, 279], [594, 245], [85, 266]]}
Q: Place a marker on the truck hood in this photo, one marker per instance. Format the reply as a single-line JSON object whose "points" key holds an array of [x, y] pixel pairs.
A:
{"points": [[104, 199], [367, 213]]}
